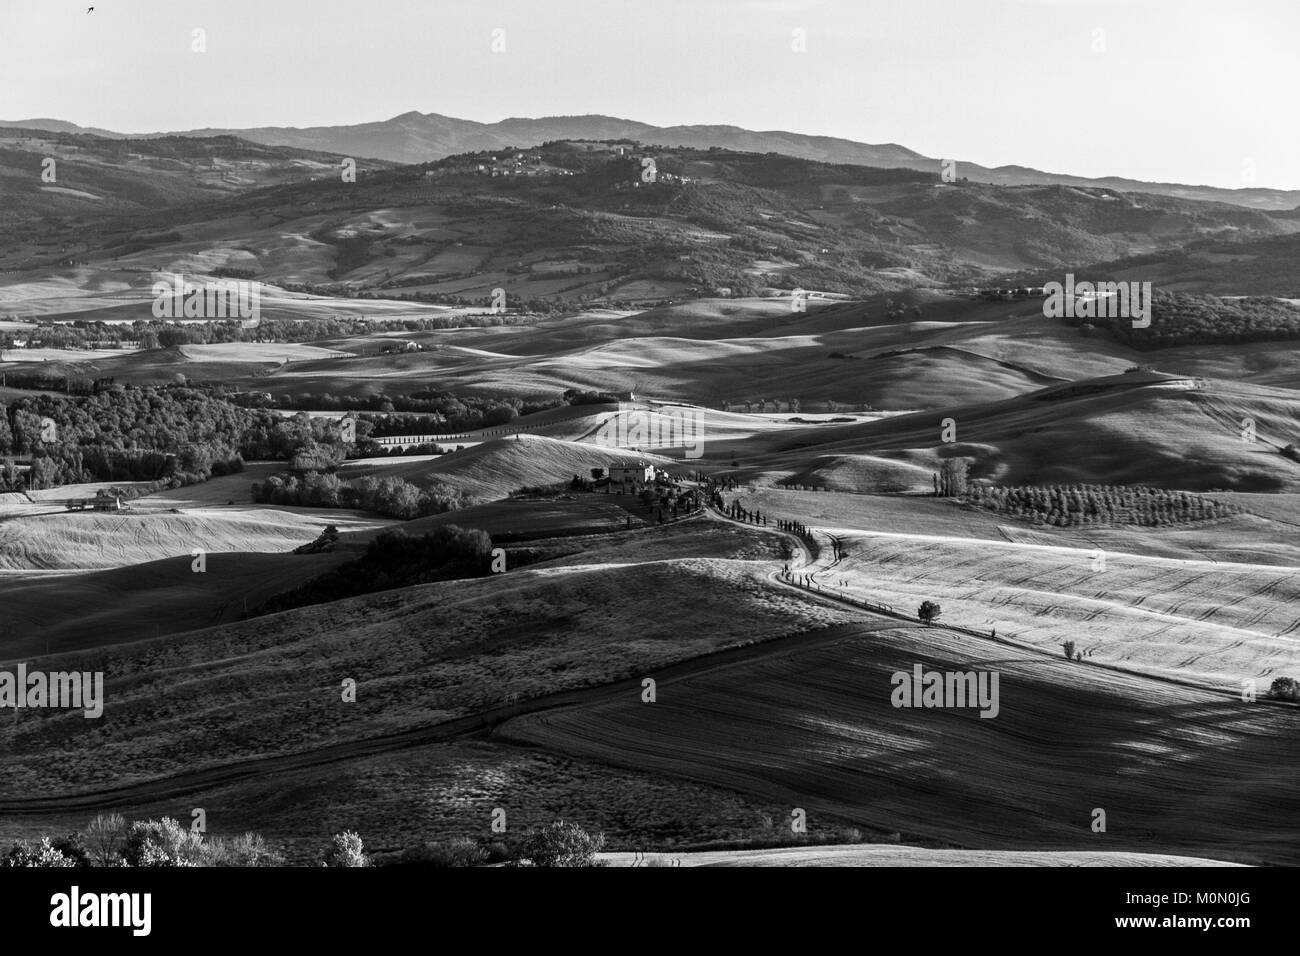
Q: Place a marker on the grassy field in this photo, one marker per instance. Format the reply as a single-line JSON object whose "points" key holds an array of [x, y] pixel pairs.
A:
{"points": [[445, 791], [876, 855], [1264, 537], [419, 655], [815, 729], [47, 537], [496, 468], [1214, 624]]}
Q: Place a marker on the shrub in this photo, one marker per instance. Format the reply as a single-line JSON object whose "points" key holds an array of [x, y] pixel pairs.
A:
{"points": [[394, 559], [497, 852], [162, 842], [561, 844], [345, 850], [1068, 647], [458, 852], [73, 846], [1285, 688], [247, 849], [106, 835], [21, 854]]}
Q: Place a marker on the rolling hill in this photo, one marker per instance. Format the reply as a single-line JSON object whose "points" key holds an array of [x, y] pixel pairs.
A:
{"points": [[816, 730], [415, 137], [570, 224]]}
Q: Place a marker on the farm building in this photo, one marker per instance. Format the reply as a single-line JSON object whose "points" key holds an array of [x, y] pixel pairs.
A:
{"points": [[639, 473], [101, 502]]}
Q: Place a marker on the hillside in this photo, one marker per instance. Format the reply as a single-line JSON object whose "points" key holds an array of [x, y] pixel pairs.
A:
{"points": [[415, 137], [1121, 429], [421, 655], [570, 223], [1220, 265], [540, 313], [499, 467], [816, 730], [877, 855], [95, 176]]}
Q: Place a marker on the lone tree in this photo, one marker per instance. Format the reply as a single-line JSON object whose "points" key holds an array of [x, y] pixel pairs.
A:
{"points": [[951, 479], [561, 844], [1068, 646], [929, 612], [106, 835], [1285, 688], [345, 850]]}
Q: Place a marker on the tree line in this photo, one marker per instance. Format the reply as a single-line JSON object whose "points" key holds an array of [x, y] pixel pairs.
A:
{"points": [[176, 434], [1067, 506], [1185, 318], [392, 497], [394, 559]]}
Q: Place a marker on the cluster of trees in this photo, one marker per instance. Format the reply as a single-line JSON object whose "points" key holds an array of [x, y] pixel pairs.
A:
{"points": [[577, 396], [899, 310], [792, 404], [175, 434], [372, 449], [158, 333], [325, 541], [559, 844], [395, 559], [950, 481], [124, 434], [66, 465], [671, 502], [1184, 318], [439, 412], [391, 497], [109, 840], [520, 307], [710, 270], [443, 412], [67, 335], [42, 380], [1068, 506], [1285, 688]]}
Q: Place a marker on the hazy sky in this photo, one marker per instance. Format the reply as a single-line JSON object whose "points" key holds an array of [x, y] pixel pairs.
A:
{"points": [[1170, 90]]}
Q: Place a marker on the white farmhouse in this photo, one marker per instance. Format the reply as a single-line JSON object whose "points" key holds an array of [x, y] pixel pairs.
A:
{"points": [[639, 473]]}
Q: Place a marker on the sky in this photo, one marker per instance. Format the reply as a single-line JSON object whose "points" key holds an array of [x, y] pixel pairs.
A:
{"points": [[1187, 91]]}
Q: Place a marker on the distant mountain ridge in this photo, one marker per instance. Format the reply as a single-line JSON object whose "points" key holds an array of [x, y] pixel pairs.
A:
{"points": [[415, 137]]}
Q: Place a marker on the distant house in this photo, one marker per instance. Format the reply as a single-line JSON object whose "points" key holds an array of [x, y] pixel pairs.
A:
{"points": [[639, 473], [102, 501]]}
